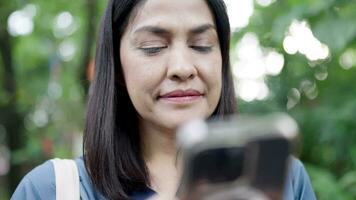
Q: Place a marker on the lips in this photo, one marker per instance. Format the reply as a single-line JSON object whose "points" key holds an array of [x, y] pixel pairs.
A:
{"points": [[181, 96]]}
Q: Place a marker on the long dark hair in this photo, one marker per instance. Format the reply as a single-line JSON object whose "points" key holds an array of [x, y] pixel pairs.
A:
{"points": [[112, 151]]}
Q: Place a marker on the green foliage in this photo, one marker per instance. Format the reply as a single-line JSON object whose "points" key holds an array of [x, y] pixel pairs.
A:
{"points": [[51, 99], [337, 28], [326, 185], [49, 94], [328, 122]]}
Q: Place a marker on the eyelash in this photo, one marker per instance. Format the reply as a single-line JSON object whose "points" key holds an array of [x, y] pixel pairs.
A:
{"points": [[202, 49], [152, 50], [155, 50]]}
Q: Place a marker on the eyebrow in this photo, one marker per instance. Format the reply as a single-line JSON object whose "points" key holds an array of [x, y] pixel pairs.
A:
{"points": [[201, 29], [161, 31], [153, 29]]}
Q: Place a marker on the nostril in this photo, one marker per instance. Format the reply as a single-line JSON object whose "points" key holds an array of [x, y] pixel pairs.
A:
{"points": [[177, 77]]}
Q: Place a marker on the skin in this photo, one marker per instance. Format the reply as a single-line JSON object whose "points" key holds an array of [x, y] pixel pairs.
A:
{"points": [[169, 46]]}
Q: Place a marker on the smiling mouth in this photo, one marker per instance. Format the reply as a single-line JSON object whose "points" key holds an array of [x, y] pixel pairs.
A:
{"points": [[181, 96]]}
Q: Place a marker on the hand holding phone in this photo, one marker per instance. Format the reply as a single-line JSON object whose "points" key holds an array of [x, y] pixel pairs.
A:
{"points": [[242, 157]]}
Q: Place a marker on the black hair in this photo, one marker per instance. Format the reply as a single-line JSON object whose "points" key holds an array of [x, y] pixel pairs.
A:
{"points": [[112, 152]]}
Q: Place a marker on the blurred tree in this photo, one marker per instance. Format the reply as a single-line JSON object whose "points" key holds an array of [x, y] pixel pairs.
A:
{"points": [[45, 50], [318, 91], [43, 80], [10, 116], [92, 14]]}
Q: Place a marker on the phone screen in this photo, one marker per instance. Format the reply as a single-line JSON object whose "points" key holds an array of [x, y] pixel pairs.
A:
{"points": [[217, 165]]}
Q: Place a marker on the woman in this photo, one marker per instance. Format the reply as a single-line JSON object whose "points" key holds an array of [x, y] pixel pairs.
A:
{"points": [[159, 63]]}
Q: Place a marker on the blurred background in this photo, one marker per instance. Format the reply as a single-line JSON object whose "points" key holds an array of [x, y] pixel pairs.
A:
{"points": [[295, 56]]}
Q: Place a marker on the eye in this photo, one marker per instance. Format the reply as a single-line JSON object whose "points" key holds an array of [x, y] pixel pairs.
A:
{"points": [[152, 50], [202, 49]]}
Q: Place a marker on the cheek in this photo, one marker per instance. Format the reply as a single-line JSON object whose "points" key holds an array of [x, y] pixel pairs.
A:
{"points": [[211, 70], [213, 79], [141, 75], [216, 83]]}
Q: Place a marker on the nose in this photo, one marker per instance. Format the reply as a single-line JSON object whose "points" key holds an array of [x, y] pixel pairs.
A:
{"points": [[180, 66]]}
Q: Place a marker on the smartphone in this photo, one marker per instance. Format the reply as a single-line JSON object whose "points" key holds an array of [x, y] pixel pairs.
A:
{"points": [[240, 156]]}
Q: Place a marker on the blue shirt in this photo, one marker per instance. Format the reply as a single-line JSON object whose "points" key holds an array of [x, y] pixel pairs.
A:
{"points": [[40, 184]]}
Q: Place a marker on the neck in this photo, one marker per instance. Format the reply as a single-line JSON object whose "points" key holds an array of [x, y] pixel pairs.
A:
{"points": [[160, 154], [158, 143]]}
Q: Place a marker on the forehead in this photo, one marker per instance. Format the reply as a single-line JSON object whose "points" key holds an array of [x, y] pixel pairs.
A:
{"points": [[172, 14]]}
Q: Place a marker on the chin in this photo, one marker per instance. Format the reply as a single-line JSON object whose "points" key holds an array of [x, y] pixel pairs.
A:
{"points": [[174, 122]]}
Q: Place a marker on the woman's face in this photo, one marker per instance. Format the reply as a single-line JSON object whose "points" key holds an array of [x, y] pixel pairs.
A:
{"points": [[171, 61]]}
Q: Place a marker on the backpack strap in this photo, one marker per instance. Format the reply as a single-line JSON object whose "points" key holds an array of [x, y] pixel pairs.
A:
{"points": [[67, 179]]}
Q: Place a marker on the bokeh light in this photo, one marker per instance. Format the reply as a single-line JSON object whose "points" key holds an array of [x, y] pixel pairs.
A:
{"points": [[67, 50], [274, 63], [293, 98], [54, 90], [265, 3], [239, 12], [347, 59], [20, 22], [253, 64], [321, 73], [40, 118], [309, 88], [64, 25], [300, 39]]}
